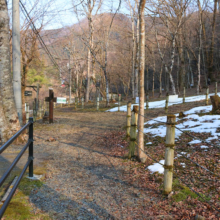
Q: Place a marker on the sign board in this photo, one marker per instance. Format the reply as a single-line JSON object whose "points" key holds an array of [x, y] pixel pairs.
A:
{"points": [[61, 100], [27, 93], [137, 100]]}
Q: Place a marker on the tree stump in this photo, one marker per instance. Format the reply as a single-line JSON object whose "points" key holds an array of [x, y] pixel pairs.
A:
{"points": [[215, 100]]}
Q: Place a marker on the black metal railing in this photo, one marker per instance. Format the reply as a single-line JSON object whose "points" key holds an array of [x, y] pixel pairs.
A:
{"points": [[29, 162]]}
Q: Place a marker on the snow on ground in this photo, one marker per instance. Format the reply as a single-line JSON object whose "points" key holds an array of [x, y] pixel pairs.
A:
{"points": [[192, 122], [161, 104], [195, 142], [157, 167], [203, 146]]}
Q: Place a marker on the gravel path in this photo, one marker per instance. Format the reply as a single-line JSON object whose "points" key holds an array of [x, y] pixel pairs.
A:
{"points": [[83, 180]]}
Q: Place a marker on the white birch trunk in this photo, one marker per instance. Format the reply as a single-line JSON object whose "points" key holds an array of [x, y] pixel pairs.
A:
{"points": [[137, 61], [141, 155], [199, 52]]}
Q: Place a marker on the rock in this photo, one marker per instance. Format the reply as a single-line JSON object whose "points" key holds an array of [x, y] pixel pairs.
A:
{"points": [[182, 115], [215, 100], [199, 217], [51, 139]]}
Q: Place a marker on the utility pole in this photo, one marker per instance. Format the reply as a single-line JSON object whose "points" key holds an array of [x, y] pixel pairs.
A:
{"points": [[16, 57]]}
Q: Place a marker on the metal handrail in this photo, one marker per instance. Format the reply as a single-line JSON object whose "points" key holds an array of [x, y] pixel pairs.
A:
{"points": [[5, 145], [29, 162]]}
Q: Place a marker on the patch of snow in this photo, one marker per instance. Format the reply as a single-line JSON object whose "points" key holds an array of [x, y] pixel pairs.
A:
{"points": [[148, 143], [120, 145], [161, 104], [203, 146], [156, 167], [183, 165], [199, 109], [195, 142]]}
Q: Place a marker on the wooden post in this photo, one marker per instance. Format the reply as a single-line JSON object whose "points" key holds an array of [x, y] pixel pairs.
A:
{"points": [[82, 103], [76, 102], [147, 101], [133, 131], [97, 103], [184, 94], [51, 99], [216, 88], [44, 108], [40, 109], [119, 99], [167, 102], [207, 96], [169, 154], [34, 111], [128, 119], [27, 112], [51, 96]]}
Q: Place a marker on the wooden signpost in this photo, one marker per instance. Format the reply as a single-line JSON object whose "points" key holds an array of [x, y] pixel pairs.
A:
{"points": [[51, 99]]}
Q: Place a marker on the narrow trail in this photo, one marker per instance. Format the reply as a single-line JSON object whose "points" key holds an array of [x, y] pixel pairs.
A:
{"points": [[83, 181]]}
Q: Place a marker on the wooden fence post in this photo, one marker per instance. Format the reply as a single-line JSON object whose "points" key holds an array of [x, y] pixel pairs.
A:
{"points": [[97, 103], [133, 131], [167, 102], [169, 154], [147, 101], [128, 119], [34, 111], [184, 94], [40, 109], [216, 88], [119, 99], [27, 112], [207, 96], [76, 102], [44, 107]]}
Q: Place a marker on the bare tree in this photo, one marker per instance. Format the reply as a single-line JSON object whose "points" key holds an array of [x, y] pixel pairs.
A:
{"points": [[141, 154]]}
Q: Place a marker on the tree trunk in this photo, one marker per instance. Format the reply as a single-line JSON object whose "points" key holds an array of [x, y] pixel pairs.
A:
{"points": [[211, 55], [6, 90], [106, 77], [199, 52], [160, 80], [137, 61], [141, 155], [133, 59], [88, 76]]}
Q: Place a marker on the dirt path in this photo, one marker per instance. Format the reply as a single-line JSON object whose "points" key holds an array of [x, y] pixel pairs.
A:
{"points": [[83, 180]]}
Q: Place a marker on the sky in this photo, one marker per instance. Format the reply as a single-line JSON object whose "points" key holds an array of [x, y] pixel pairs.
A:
{"points": [[60, 13]]}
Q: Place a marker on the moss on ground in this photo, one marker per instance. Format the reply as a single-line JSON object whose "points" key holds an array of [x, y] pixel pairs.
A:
{"points": [[20, 208], [184, 192]]}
